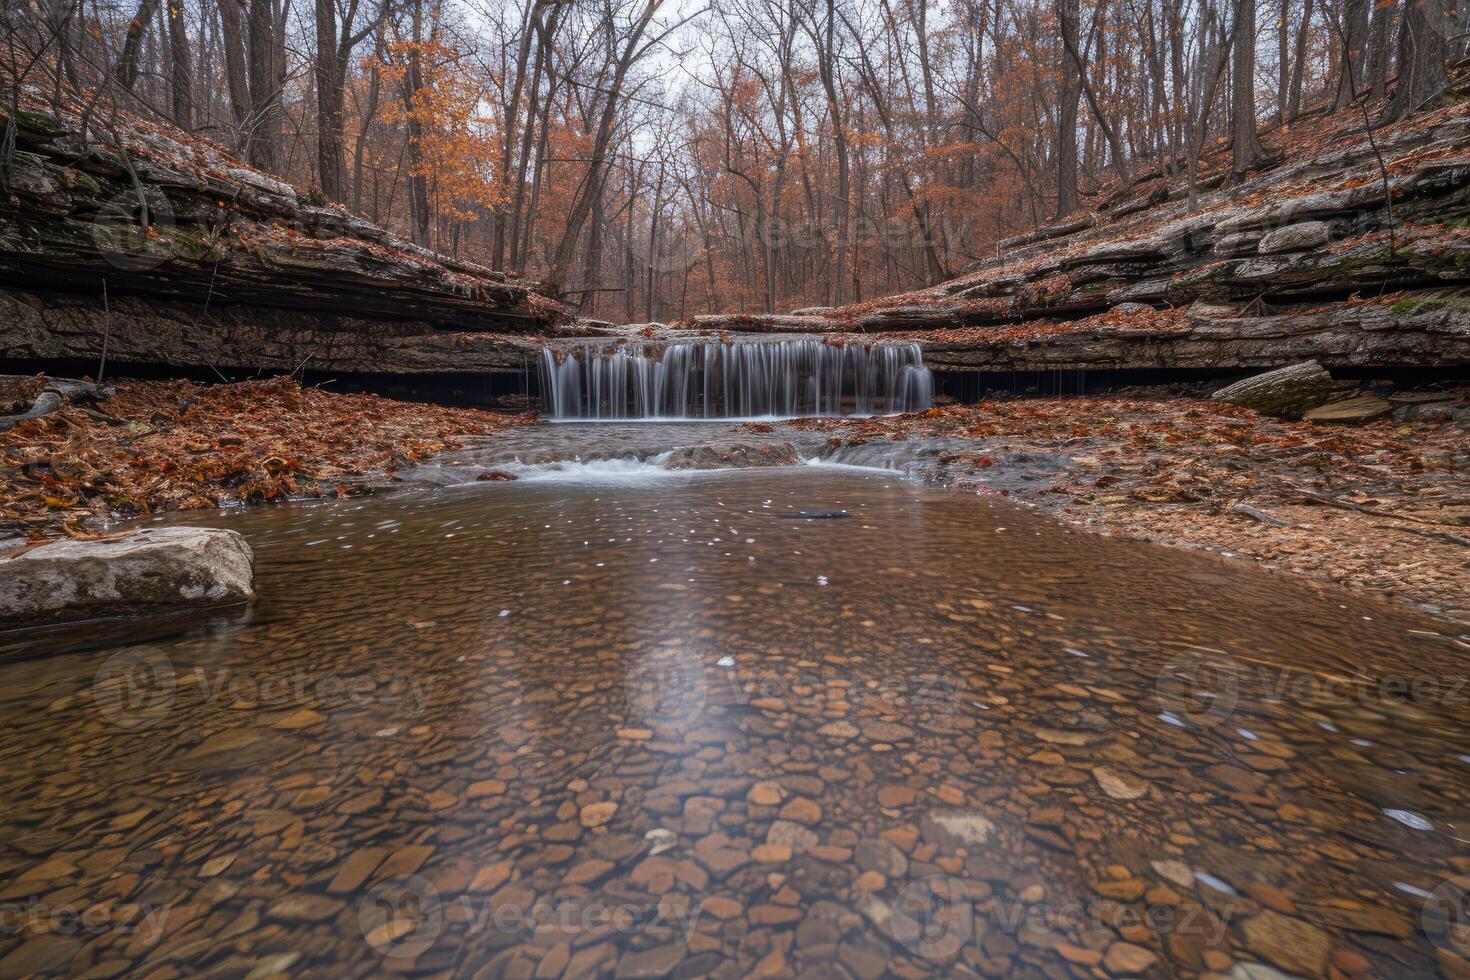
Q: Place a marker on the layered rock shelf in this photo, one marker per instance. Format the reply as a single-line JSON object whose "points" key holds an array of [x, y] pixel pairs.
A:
{"points": [[1356, 256], [225, 266]]}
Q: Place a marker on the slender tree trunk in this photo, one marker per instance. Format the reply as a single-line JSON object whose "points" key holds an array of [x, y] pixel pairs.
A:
{"points": [[1068, 17], [650, 298], [233, 42], [126, 69], [364, 123], [1422, 53], [1350, 43], [264, 123], [1246, 146], [418, 178], [1380, 51], [181, 77], [1283, 59], [1299, 64], [827, 69], [330, 81]]}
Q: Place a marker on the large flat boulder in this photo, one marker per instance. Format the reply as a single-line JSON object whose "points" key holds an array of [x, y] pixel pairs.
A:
{"points": [[154, 569], [1287, 392]]}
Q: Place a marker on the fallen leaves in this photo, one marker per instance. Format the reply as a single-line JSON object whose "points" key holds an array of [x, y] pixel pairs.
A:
{"points": [[175, 445]]}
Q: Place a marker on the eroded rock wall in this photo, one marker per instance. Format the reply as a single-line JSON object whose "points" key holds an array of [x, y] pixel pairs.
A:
{"points": [[1358, 254], [189, 257]]}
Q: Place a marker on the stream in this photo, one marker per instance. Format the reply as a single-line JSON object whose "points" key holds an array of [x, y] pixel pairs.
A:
{"points": [[823, 719]]}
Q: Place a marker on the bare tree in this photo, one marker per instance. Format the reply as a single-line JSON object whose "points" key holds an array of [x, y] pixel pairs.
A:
{"points": [[1422, 53], [1245, 150]]}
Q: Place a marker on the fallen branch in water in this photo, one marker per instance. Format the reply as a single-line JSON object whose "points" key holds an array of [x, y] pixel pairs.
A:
{"points": [[55, 394]]}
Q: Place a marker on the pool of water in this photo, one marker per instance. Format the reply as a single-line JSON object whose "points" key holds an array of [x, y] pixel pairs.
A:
{"points": [[654, 723]]}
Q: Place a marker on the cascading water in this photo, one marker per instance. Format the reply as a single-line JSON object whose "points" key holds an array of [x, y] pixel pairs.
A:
{"points": [[744, 379]]}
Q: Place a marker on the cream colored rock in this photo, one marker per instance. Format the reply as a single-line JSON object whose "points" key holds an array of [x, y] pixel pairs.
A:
{"points": [[156, 568]]}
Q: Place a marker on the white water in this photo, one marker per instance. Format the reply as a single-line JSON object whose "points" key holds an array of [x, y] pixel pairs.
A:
{"points": [[744, 379], [624, 468]]}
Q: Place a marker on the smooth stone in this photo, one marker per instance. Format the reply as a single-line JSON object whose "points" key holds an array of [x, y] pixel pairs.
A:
{"points": [[41, 954], [1128, 960], [1120, 786], [597, 814], [155, 568], [1291, 944]]}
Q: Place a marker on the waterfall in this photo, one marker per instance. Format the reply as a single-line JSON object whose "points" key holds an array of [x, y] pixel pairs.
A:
{"points": [[745, 379]]}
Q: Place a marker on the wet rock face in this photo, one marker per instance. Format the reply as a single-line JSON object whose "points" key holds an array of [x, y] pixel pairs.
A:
{"points": [[157, 568], [732, 456]]}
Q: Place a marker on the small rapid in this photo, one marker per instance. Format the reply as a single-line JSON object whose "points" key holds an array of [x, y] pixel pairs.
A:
{"points": [[738, 380]]}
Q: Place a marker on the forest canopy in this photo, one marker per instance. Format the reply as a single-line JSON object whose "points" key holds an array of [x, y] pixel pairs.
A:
{"points": [[653, 159]]}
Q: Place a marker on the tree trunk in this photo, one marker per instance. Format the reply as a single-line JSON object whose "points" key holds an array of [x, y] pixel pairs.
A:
{"points": [[499, 238], [827, 69], [233, 42], [375, 84], [330, 81], [1380, 51], [1068, 16], [1298, 66], [1422, 52], [181, 79], [556, 276], [1283, 59], [127, 62], [1354, 35], [264, 123], [1246, 147]]}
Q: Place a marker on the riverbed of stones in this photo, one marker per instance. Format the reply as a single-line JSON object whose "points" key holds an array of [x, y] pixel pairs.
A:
{"points": [[857, 755]]}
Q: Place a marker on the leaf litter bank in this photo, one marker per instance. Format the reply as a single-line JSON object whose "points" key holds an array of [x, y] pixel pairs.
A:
{"points": [[156, 446], [1384, 507]]}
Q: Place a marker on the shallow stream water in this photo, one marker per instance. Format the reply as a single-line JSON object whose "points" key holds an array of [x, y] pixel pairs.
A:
{"points": [[810, 719]]}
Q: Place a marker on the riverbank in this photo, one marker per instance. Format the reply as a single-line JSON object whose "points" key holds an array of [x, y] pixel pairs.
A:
{"points": [[1383, 507], [153, 446]]}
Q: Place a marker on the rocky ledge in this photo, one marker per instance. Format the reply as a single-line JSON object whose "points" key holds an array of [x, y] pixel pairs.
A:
{"points": [[137, 232], [1331, 255], [151, 570]]}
